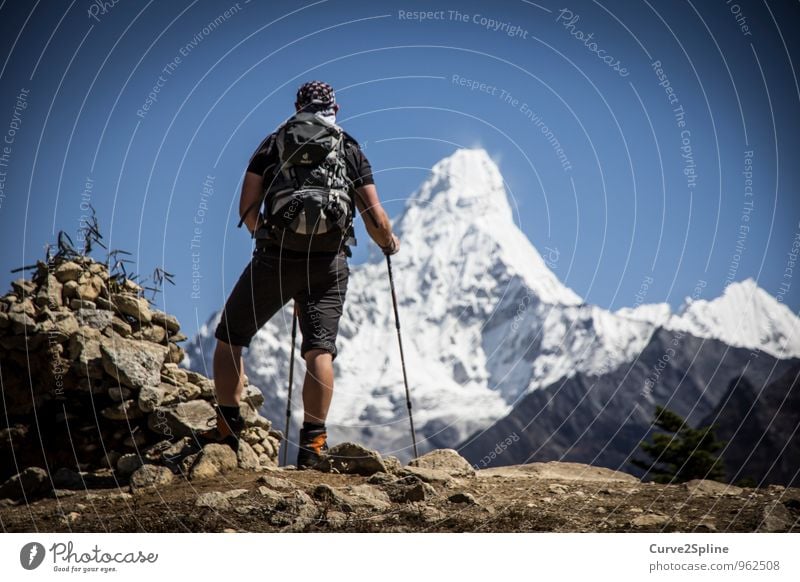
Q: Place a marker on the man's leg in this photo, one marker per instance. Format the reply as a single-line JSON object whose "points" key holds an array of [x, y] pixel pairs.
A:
{"points": [[228, 374], [317, 386]]}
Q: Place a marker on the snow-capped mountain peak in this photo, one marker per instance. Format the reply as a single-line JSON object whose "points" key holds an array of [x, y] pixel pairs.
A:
{"points": [[745, 315]]}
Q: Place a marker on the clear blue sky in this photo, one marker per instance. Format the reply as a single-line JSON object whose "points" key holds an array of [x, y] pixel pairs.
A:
{"points": [[618, 205]]}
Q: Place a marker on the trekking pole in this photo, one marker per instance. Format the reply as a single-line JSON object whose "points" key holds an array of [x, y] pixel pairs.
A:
{"points": [[291, 382], [402, 356]]}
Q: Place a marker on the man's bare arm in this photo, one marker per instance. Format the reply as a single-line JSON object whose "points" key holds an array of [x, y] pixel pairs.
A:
{"points": [[375, 218], [249, 202]]}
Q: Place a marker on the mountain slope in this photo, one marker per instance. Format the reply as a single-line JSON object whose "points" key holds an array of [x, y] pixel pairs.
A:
{"points": [[485, 322]]}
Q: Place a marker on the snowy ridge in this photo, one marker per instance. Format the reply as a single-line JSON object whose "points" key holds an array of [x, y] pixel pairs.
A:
{"points": [[484, 322]]}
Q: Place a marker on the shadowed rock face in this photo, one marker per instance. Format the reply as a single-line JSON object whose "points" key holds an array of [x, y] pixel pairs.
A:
{"points": [[601, 420], [761, 424]]}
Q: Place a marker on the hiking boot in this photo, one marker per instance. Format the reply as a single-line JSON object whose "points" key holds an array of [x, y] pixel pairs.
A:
{"points": [[222, 432], [312, 446]]}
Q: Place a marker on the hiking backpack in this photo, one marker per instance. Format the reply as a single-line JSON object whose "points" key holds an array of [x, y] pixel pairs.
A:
{"points": [[307, 204]]}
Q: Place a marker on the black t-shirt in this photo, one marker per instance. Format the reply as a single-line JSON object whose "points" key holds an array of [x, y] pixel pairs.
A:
{"points": [[359, 170]]}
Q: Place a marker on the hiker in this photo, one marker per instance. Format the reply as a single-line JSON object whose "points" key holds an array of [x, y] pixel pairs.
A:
{"points": [[307, 175]]}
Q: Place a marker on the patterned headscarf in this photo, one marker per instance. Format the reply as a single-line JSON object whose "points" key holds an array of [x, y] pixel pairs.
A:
{"points": [[315, 93]]}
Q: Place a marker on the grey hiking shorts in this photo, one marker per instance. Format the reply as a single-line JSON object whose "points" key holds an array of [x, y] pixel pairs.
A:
{"points": [[317, 283]]}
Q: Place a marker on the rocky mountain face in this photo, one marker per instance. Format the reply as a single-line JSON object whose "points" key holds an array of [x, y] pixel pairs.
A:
{"points": [[602, 419], [489, 332], [91, 385], [760, 423]]}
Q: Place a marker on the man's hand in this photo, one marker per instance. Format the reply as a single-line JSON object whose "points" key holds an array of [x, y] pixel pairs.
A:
{"points": [[393, 247]]}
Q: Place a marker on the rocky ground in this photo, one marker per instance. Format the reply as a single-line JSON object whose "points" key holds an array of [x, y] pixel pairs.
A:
{"points": [[360, 492]]}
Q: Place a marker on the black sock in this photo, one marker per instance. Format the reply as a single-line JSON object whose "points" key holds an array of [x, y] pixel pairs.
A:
{"points": [[313, 426], [230, 414]]}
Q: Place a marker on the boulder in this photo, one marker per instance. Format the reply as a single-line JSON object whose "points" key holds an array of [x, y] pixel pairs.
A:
{"points": [[135, 364], [353, 458], [561, 471], [68, 271], [368, 497], [218, 499], [775, 517], [213, 460], [98, 319], [446, 460], [128, 463], [649, 520], [29, 484], [166, 321], [133, 306], [275, 482], [150, 476], [122, 411], [246, 457], [181, 419]]}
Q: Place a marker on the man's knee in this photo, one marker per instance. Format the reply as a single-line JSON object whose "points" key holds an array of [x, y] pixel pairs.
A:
{"points": [[318, 356], [226, 350]]}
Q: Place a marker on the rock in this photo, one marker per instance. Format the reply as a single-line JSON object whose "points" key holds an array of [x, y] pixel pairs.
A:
{"points": [[557, 489], [428, 475], [50, 293], [68, 271], [22, 323], [708, 487], [125, 410], [368, 497], [181, 419], [65, 478], [151, 397], [135, 364], [128, 463], [70, 518], [121, 327], [271, 497], [84, 351], [327, 494], [380, 479], [393, 465], [353, 458], [462, 497], [98, 319], [164, 320], [218, 499], [132, 306], [150, 476], [29, 484], [119, 393], [213, 460], [558, 470], [649, 520], [409, 489], [253, 396], [275, 482], [87, 292], [247, 457], [175, 354], [446, 460], [775, 517], [69, 291]]}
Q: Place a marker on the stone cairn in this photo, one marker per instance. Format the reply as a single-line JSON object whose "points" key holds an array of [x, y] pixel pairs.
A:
{"points": [[92, 388]]}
